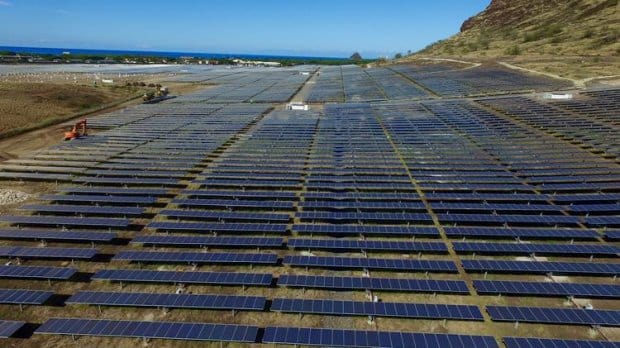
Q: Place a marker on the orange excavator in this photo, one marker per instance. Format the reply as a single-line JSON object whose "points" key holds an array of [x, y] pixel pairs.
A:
{"points": [[79, 130]]}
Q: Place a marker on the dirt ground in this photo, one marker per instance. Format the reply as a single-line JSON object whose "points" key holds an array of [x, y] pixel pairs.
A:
{"points": [[27, 101]]}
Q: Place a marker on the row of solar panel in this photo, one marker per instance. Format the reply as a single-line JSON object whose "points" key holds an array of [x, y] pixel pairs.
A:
{"points": [[286, 335]]}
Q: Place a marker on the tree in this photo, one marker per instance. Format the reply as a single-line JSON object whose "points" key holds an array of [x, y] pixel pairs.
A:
{"points": [[398, 56], [356, 56]]}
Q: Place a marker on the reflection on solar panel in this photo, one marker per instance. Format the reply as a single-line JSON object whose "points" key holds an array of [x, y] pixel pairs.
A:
{"points": [[219, 278], [386, 264], [155, 256], [190, 301], [521, 288], [380, 309], [353, 338], [522, 342], [366, 283], [555, 315], [8, 327], [66, 221], [148, 329], [29, 297]]}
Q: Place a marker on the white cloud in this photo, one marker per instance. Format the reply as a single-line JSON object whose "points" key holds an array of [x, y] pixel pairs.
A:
{"points": [[5, 3]]}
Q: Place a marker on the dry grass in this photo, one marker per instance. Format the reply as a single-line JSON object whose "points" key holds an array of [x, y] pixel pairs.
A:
{"points": [[25, 104]]}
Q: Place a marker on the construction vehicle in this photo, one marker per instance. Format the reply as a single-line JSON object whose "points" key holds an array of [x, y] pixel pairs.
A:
{"points": [[161, 93], [79, 130]]}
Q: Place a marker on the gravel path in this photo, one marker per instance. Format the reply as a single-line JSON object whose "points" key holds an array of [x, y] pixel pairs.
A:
{"points": [[11, 196]]}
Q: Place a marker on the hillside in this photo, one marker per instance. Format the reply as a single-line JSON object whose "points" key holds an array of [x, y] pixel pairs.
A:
{"points": [[582, 33], [559, 27]]}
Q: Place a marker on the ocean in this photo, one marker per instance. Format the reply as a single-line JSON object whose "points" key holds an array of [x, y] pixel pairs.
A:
{"points": [[100, 52]]}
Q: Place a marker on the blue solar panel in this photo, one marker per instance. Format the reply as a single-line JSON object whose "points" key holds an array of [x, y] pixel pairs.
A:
{"points": [[57, 235], [100, 199], [542, 267], [548, 315], [218, 215], [66, 221], [9, 327], [241, 194], [209, 241], [24, 297], [83, 209], [149, 329], [545, 249], [330, 216], [190, 301], [613, 235], [48, 253], [115, 191], [366, 229], [506, 219], [219, 227], [380, 309], [342, 244], [523, 342], [367, 283], [370, 263], [36, 272], [353, 338], [528, 233], [220, 203], [193, 257], [216, 278], [589, 290]]}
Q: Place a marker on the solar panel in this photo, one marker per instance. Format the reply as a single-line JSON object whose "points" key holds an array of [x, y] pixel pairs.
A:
{"points": [[340, 244], [523, 342], [380, 309], [83, 209], [521, 288], [528, 248], [48, 253], [219, 227], [366, 229], [542, 267], [529, 233], [57, 235], [355, 338], [24, 297], [555, 315], [371, 263], [100, 199], [194, 257], [209, 241], [191, 301], [9, 327], [66, 221], [367, 283], [115, 191], [36, 272], [216, 278], [217, 215], [148, 329]]}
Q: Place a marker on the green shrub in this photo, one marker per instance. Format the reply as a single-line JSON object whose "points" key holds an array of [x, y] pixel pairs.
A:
{"points": [[513, 50]]}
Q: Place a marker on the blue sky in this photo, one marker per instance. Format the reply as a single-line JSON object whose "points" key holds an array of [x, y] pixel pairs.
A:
{"points": [[316, 27]]}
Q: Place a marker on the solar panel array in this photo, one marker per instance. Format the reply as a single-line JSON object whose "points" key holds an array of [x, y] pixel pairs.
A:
{"points": [[346, 225]]}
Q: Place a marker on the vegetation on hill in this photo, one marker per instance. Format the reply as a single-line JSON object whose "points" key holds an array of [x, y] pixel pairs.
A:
{"points": [[537, 27]]}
